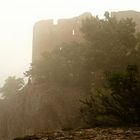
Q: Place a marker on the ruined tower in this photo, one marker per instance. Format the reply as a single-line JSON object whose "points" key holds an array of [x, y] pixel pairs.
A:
{"points": [[129, 14], [47, 36]]}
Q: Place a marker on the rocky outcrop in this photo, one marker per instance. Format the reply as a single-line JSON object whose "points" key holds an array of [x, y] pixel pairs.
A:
{"points": [[88, 134]]}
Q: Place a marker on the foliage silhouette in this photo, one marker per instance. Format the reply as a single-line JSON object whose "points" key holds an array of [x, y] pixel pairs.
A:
{"points": [[11, 86], [118, 103]]}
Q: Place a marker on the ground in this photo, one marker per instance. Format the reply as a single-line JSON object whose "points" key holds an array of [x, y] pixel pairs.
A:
{"points": [[88, 134]]}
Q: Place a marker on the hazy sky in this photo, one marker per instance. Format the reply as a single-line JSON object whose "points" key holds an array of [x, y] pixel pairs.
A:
{"points": [[17, 18]]}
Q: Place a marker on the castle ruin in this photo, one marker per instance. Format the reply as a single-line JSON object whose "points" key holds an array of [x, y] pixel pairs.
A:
{"points": [[47, 35]]}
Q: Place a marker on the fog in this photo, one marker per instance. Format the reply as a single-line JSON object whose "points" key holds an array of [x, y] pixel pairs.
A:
{"points": [[48, 71], [18, 18]]}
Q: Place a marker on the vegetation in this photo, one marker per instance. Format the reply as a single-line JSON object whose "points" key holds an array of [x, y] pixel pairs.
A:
{"points": [[111, 46], [115, 46], [103, 73], [12, 86], [118, 103]]}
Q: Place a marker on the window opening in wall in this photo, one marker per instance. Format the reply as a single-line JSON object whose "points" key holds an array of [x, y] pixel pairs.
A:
{"points": [[55, 22], [73, 32]]}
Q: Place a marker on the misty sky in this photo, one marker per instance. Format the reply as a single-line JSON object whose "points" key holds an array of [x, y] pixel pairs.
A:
{"points": [[17, 18]]}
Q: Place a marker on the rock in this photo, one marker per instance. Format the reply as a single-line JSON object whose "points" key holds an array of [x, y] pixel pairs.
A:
{"points": [[88, 134]]}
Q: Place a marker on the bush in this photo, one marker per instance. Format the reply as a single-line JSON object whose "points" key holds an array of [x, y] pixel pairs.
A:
{"points": [[118, 103]]}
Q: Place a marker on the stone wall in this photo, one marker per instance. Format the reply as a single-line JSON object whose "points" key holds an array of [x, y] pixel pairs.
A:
{"points": [[47, 36], [129, 14]]}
